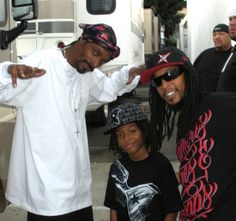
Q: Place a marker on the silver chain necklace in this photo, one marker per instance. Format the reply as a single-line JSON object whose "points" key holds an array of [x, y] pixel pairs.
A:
{"points": [[75, 107]]}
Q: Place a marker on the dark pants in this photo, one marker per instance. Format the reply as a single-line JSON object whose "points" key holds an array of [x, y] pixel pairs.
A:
{"points": [[85, 214]]}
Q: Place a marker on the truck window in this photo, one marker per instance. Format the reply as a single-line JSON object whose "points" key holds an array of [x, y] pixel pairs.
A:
{"points": [[56, 27], [17, 3], [31, 28], [3, 17], [98, 7]]}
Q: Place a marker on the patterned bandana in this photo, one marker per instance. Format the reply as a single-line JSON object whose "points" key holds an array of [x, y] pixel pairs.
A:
{"points": [[124, 114], [102, 35]]}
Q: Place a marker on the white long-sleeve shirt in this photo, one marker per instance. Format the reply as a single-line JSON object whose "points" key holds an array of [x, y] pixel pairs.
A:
{"points": [[49, 172]]}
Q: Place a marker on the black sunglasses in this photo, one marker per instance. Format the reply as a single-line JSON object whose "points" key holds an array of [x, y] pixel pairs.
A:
{"points": [[168, 76]]}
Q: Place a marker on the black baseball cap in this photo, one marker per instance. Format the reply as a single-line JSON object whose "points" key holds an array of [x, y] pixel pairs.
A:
{"points": [[221, 28]]}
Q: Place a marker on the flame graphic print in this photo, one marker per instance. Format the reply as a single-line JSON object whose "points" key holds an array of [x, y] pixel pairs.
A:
{"points": [[195, 160]]}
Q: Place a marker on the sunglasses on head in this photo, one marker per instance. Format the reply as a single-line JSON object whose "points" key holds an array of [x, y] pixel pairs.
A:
{"points": [[168, 76]]}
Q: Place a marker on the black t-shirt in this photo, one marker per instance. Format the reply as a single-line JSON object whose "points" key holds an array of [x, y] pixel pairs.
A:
{"points": [[208, 162], [142, 190], [227, 80], [209, 65]]}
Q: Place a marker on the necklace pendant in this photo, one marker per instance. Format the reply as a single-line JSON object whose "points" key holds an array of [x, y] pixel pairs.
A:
{"points": [[77, 133]]}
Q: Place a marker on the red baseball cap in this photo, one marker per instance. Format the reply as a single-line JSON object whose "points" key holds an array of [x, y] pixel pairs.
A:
{"points": [[166, 57]]}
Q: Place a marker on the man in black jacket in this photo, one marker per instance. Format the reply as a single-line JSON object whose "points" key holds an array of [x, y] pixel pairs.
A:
{"points": [[227, 81], [211, 61]]}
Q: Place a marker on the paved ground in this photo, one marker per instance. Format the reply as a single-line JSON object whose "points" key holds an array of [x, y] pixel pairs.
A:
{"points": [[101, 160], [99, 172]]}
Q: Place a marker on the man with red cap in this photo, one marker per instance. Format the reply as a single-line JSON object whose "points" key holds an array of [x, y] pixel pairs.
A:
{"points": [[205, 139], [49, 173]]}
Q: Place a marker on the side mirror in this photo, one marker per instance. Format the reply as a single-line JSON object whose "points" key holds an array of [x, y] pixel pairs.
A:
{"points": [[22, 10]]}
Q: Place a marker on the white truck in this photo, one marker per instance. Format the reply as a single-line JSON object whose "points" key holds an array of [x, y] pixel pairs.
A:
{"points": [[58, 22], [10, 11], [196, 28], [21, 11]]}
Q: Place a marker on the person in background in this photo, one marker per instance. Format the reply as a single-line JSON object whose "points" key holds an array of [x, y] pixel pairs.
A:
{"points": [[205, 138], [142, 184], [227, 81], [49, 173], [211, 61]]}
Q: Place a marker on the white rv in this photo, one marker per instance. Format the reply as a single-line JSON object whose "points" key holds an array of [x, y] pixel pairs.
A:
{"points": [[58, 22], [10, 11]]}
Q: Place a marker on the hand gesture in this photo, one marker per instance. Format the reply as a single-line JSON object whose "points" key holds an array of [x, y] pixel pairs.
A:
{"points": [[133, 72], [23, 72]]}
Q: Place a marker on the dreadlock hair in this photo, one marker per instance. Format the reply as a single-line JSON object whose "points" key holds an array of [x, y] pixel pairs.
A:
{"points": [[163, 116], [144, 126]]}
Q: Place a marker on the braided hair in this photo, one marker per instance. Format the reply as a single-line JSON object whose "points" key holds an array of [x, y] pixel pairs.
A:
{"points": [[164, 117]]}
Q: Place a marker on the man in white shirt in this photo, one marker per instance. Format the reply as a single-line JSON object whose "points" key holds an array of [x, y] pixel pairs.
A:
{"points": [[49, 172]]}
